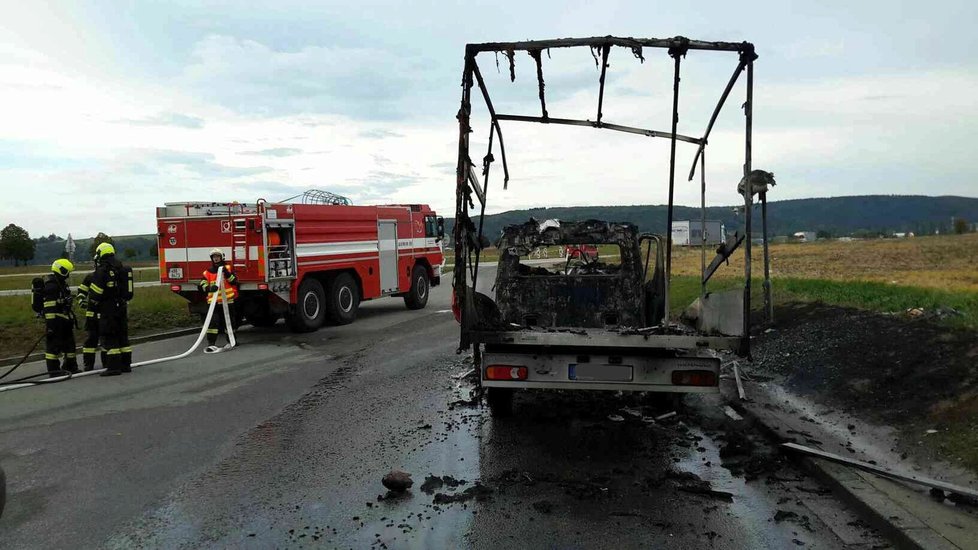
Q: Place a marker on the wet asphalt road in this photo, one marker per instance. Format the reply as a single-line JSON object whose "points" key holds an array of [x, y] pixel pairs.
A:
{"points": [[283, 441]]}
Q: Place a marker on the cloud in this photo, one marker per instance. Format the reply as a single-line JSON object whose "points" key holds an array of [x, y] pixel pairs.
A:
{"points": [[445, 167], [377, 186], [274, 152], [379, 133], [201, 165], [167, 119], [252, 78], [270, 190]]}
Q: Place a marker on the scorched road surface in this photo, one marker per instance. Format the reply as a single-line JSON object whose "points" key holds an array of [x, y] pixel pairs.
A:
{"points": [[283, 442]]}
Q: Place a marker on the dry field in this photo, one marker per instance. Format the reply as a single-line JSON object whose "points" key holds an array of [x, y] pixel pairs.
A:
{"points": [[940, 262]]}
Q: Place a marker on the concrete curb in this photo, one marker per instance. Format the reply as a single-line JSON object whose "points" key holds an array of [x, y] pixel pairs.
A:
{"points": [[37, 356], [891, 518]]}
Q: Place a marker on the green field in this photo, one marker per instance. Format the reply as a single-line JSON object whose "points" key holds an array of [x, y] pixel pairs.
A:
{"points": [[153, 309], [19, 282]]}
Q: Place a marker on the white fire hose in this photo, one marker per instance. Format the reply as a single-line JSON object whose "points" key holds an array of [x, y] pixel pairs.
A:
{"points": [[200, 338]]}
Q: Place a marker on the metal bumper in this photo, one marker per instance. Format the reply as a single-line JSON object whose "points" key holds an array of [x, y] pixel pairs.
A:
{"points": [[600, 372]]}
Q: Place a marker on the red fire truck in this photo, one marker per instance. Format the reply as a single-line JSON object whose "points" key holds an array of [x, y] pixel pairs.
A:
{"points": [[310, 263]]}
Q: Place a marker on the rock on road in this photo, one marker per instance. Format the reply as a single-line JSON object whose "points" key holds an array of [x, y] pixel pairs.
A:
{"points": [[283, 442]]}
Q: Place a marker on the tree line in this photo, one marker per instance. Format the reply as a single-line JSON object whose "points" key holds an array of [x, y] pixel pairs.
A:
{"points": [[17, 245]]}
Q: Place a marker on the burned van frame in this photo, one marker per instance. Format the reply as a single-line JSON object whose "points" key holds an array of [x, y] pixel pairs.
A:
{"points": [[469, 239]]}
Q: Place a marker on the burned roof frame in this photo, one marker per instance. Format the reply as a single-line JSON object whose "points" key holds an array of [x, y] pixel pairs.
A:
{"points": [[468, 185]]}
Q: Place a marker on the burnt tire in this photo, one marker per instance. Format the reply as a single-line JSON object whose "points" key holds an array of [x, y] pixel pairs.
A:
{"points": [[500, 402], [309, 311], [343, 300], [417, 297]]}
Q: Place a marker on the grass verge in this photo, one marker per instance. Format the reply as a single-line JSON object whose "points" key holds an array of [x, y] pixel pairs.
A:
{"points": [[867, 295], [153, 309], [23, 282]]}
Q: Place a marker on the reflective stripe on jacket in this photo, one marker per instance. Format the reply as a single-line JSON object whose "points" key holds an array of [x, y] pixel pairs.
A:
{"points": [[230, 291]]}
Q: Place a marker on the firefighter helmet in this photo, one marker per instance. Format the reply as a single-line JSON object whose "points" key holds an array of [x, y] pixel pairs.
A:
{"points": [[104, 249], [62, 267], [217, 252]]}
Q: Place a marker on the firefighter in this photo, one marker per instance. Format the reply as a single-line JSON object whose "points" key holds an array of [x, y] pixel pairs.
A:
{"points": [[209, 285], [109, 290], [59, 320], [91, 345]]}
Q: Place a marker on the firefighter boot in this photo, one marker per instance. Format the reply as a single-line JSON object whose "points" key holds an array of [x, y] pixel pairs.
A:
{"points": [[53, 363], [113, 364], [126, 362], [71, 363], [88, 359]]}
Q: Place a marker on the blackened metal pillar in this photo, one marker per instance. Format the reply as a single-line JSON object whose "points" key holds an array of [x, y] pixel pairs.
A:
{"points": [[677, 51], [462, 200], [748, 199], [768, 300]]}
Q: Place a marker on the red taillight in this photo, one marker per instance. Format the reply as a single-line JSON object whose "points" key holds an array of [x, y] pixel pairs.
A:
{"points": [[175, 288], [506, 372], [456, 310], [262, 286], [694, 378]]}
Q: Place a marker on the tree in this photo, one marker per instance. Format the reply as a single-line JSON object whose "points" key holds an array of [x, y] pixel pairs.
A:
{"points": [[822, 234], [99, 239], [129, 253], [16, 244], [961, 226]]}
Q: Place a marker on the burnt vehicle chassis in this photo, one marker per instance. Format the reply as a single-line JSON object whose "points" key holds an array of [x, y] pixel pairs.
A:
{"points": [[488, 326], [591, 295]]}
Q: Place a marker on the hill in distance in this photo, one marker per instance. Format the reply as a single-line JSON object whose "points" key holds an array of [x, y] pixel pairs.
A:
{"points": [[867, 215], [838, 216]]}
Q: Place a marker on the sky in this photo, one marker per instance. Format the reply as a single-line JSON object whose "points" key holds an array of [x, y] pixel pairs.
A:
{"points": [[110, 108]]}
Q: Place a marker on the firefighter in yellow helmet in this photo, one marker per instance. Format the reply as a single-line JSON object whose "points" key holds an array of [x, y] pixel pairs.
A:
{"points": [[59, 320], [209, 284], [91, 344], [108, 296]]}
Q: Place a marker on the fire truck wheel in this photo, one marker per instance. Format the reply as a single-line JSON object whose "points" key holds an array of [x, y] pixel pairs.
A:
{"points": [[417, 297], [344, 299], [311, 307]]}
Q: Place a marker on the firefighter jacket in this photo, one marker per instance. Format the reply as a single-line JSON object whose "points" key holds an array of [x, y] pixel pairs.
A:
{"points": [[83, 291], [209, 283], [57, 299], [104, 292]]}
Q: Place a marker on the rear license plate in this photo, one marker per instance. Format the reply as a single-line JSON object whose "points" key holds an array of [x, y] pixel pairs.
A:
{"points": [[600, 373]]}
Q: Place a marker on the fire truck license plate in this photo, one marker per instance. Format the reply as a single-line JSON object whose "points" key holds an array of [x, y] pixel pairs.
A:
{"points": [[599, 373]]}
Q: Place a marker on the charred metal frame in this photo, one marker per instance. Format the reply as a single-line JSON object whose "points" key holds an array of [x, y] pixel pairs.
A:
{"points": [[468, 246]]}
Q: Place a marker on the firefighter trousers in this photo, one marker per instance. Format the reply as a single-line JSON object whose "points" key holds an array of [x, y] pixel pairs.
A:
{"points": [[218, 325], [59, 343], [91, 345], [113, 326]]}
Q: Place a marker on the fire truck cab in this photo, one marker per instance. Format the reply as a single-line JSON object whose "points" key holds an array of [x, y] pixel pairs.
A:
{"points": [[310, 263]]}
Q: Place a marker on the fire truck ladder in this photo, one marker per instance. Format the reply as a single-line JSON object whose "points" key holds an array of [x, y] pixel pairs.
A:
{"points": [[239, 244]]}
